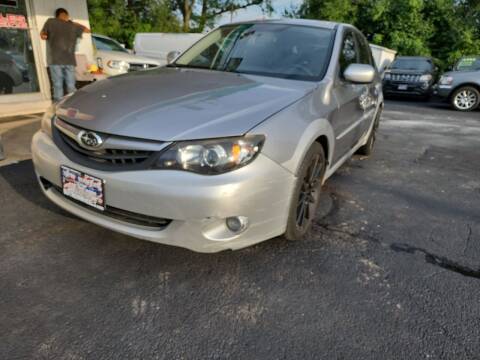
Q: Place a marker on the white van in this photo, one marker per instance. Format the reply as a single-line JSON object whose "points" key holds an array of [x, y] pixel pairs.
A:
{"points": [[158, 45]]}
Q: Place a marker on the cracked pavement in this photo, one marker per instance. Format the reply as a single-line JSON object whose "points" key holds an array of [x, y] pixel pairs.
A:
{"points": [[391, 269]]}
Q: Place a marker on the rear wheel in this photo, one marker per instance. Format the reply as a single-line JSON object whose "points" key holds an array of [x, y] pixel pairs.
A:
{"points": [[466, 98], [306, 194], [6, 84]]}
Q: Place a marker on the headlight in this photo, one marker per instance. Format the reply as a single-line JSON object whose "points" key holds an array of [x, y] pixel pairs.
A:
{"points": [[426, 78], [211, 157], [118, 64], [446, 80], [387, 76], [47, 120]]}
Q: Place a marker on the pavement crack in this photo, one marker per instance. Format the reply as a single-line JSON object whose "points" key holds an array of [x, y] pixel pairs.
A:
{"points": [[467, 240], [437, 260]]}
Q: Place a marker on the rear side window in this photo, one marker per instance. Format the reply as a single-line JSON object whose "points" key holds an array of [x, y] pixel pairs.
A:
{"points": [[349, 53]]}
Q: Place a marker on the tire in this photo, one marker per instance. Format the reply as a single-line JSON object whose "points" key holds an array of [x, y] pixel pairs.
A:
{"points": [[367, 149], [466, 98], [6, 84], [306, 194]]}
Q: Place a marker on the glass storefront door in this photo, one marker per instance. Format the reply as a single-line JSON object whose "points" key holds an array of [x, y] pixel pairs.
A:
{"points": [[18, 74]]}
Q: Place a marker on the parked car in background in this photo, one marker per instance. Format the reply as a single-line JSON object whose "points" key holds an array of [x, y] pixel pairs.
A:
{"points": [[413, 76], [461, 86], [11, 73], [114, 59], [227, 146], [159, 45]]}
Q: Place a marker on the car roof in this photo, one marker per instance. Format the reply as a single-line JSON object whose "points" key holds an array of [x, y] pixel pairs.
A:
{"points": [[301, 22]]}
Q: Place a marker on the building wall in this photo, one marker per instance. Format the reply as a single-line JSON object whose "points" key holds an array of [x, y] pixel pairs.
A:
{"points": [[39, 12]]}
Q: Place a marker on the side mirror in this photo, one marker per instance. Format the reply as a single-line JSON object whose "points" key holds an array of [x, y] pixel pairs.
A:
{"points": [[359, 73], [172, 55]]}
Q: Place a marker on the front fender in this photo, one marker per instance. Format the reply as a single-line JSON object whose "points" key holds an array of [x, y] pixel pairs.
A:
{"points": [[290, 133]]}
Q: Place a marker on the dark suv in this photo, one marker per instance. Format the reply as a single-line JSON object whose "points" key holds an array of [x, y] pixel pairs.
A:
{"points": [[410, 75]]}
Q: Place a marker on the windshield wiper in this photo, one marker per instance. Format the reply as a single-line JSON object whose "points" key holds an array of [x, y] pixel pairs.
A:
{"points": [[173, 65]]}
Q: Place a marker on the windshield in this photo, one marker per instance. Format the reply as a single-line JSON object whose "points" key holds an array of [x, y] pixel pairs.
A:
{"points": [[468, 63], [294, 52], [412, 64], [107, 44]]}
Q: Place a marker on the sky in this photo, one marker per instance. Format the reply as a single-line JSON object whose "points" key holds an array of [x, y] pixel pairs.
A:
{"points": [[254, 12]]}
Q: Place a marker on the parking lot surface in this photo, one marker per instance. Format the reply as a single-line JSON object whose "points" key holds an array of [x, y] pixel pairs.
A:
{"points": [[390, 271]]}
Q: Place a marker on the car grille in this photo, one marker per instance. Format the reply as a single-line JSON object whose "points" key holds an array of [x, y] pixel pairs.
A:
{"points": [[405, 77], [112, 156], [139, 66], [107, 158]]}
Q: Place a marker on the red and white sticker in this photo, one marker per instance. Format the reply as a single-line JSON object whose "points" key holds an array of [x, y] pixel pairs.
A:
{"points": [[13, 21]]}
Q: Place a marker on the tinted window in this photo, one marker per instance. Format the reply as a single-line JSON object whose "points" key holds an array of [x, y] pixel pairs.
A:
{"points": [[468, 63], [412, 64], [295, 52], [349, 53], [365, 55]]}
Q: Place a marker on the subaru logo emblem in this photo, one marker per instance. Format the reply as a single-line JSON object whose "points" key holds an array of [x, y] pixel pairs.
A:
{"points": [[71, 112], [89, 139]]}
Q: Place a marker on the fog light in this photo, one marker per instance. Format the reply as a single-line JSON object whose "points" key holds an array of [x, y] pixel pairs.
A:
{"points": [[237, 224]]}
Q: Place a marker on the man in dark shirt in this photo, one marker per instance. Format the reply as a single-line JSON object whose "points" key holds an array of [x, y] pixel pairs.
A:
{"points": [[61, 34]]}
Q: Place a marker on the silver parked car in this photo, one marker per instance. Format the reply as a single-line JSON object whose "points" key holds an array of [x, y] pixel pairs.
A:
{"points": [[461, 86], [226, 147]]}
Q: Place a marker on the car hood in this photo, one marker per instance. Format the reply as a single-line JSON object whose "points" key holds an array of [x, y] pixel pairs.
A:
{"points": [[168, 104], [124, 56], [409, 72]]}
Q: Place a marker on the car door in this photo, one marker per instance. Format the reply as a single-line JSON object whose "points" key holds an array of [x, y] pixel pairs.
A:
{"points": [[346, 117], [370, 92]]}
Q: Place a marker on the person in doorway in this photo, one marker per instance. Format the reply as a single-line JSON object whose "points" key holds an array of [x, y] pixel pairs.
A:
{"points": [[61, 35]]}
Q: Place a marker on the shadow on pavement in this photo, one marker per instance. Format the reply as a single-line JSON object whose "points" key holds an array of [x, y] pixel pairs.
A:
{"points": [[21, 178]]}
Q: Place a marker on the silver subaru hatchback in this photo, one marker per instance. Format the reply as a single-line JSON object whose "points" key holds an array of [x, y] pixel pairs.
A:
{"points": [[225, 147]]}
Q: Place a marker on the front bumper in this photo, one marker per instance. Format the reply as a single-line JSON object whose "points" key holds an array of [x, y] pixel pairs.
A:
{"points": [[412, 89], [196, 204], [442, 92]]}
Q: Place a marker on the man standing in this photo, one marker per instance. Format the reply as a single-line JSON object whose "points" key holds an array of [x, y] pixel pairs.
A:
{"points": [[61, 34]]}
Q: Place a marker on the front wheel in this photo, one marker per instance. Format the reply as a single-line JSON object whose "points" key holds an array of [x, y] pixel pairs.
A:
{"points": [[306, 194], [466, 98]]}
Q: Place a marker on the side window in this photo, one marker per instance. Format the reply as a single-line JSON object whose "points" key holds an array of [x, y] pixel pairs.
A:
{"points": [[365, 55], [349, 53]]}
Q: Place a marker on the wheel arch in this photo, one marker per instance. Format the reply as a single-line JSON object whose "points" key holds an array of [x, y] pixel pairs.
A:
{"points": [[319, 131], [323, 140], [472, 84]]}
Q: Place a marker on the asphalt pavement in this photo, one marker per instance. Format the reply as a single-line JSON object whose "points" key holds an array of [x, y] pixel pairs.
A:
{"points": [[390, 271]]}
